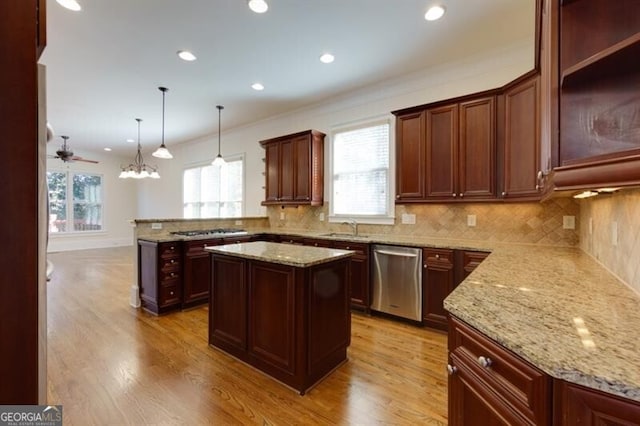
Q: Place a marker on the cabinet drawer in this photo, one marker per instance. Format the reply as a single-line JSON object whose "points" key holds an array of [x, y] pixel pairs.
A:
{"points": [[167, 276], [169, 294], [197, 246], [171, 264], [317, 242], [360, 248], [442, 257], [170, 249], [514, 380]]}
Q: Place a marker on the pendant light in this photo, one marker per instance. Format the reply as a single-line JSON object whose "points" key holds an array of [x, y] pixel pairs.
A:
{"points": [[219, 161], [138, 169], [162, 151]]}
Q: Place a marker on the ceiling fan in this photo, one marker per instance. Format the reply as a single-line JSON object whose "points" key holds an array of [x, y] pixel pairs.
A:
{"points": [[66, 155]]}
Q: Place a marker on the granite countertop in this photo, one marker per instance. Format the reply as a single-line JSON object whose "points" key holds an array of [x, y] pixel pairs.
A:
{"points": [[285, 254], [555, 307], [561, 311]]}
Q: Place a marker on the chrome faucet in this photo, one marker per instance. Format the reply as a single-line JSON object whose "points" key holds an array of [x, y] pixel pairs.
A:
{"points": [[354, 226]]}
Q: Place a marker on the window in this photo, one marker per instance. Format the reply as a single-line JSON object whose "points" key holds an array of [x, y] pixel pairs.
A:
{"points": [[75, 202], [360, 173], [211, 191]]}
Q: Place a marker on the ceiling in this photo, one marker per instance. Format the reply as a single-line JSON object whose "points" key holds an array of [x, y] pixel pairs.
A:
{"points": [[105, 63]]}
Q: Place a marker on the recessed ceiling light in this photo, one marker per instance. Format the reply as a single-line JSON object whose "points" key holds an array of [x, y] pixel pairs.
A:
{"points": [[434, 13], [185, 55], [130, 140], [107, 149], [327, 58], [257, 86], [258, 6], [70, 4]]}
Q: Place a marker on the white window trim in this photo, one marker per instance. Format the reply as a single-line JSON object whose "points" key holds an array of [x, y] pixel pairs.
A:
{"points": [[388, 219], [233, 157], [69, 234]]}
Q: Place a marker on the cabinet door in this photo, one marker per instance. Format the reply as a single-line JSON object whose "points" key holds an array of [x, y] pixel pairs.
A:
{"points": [[287, 167], [228, 304], [360, 290], [577, 405], [272, 308], [442, 152], [197, 277], [437, 283], [272, 166], [522, 140], [302, 168], [466, 262], [410, 156], [477, 149]]}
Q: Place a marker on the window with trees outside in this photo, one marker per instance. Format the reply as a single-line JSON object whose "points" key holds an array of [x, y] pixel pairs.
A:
{"points": [[75, 202], [211, 191], [360, 173]]}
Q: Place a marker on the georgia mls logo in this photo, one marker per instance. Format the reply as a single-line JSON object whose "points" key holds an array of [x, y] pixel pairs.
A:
{"points": [[31, 415]]}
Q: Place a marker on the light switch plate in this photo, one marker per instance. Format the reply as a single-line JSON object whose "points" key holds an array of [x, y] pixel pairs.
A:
{"points": [[156, 225], [321, 217], [408, 219], [568, 222], [281, 215], [471, 220]]}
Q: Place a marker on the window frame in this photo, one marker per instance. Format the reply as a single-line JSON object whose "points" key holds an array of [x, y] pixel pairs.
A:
{"points": [[227, 158], [384, 219], [69, 203]]}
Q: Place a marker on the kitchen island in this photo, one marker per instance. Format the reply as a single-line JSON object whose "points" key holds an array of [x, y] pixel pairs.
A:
{"points": [[281, 308]]}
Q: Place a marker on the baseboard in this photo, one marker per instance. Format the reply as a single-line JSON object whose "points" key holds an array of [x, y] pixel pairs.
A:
{"points": [[68, 244]]}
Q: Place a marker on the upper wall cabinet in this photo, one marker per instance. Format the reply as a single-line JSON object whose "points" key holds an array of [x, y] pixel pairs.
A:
{"points": [[446, 151], [599, 94], [294, 169]]}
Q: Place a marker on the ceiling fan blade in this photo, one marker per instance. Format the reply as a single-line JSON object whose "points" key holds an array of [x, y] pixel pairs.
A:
{"points": [[83, 159]]}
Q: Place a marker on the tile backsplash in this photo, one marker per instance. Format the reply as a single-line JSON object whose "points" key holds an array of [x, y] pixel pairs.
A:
{"points": [[536, 223], [617, 249]]}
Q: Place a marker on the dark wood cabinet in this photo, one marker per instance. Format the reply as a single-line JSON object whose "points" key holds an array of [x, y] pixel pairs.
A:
{"points": [[160, 275], [520, 139], [360, 285], [599, 95], [291, 239], [294, 169], [410, 156], [447, 151], [290, 322], [488, 382], [197, 271], [466, 262], [578, 405], [437, 283]]}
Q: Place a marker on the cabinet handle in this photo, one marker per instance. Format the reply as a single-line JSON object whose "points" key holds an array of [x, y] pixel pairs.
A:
{"points": [[454, 195], [485, 362], [504, 194], [452, 369]]}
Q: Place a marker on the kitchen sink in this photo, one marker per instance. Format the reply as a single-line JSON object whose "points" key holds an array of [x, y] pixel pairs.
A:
{"points": [[344, 235]]}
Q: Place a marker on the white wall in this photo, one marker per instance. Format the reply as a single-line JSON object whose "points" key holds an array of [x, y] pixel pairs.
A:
{"points": [[163, 198], [119, 202]]}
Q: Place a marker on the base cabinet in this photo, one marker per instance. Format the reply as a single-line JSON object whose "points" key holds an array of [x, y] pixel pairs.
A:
{"points": [[292, 323], [160, 275], [197, 272]]}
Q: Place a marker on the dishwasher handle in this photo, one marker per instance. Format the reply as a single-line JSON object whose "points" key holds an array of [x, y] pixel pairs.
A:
{"points": [[395, 253]]}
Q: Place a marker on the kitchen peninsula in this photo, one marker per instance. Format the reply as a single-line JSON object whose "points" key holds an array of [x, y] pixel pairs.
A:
{"points": [[281, 308]]}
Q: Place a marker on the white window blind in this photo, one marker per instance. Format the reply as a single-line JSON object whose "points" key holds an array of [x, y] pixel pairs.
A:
{"points": [[360, 184], [211, 191]]}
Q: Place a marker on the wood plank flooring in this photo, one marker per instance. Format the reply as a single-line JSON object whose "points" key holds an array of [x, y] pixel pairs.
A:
{"points": [[109, 363]]}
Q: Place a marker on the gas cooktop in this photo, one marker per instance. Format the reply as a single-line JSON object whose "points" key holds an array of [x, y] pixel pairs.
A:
{"points": [[218, 232]]}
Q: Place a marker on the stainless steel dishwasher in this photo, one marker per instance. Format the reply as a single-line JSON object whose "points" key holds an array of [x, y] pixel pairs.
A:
{"points": [[397, 281]]}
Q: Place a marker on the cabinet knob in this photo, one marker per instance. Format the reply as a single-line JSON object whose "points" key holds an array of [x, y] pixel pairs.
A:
{"points": [[485, 362], [308, 198], [173, 274], [424, 266], [537, 187], [172, 248], [348, 248], [315, 244], [504, 193], [452, 369], [173, 261], [171, 293], [461, 195], [397, 197], [454, 195]]}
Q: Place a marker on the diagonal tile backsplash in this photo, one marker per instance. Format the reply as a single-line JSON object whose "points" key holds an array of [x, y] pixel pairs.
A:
{"points": [[536, 223]]}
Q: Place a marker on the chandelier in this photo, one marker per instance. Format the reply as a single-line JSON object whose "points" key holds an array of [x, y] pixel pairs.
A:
{"points": [[138, 169]]}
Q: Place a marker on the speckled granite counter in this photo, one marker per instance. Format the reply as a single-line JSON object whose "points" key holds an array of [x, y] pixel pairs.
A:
{"points": [[285, 254], [561, 311]]}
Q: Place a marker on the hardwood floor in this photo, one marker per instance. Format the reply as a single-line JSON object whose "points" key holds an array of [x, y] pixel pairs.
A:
{"points": [[109, 363]]}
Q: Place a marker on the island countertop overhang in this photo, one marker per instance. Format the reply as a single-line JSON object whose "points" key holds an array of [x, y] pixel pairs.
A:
{"points": [[284, 254]]}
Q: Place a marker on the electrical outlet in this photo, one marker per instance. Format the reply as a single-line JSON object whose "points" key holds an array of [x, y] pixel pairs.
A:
{"points": [[321, 217], [614, 234], [408, 219], [471, 220], [156, 225], [568, 222], [282, 216]]}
